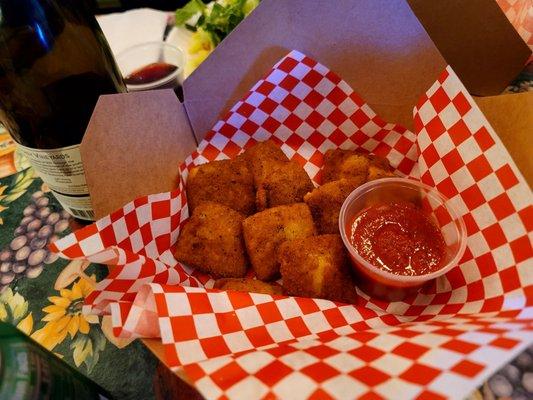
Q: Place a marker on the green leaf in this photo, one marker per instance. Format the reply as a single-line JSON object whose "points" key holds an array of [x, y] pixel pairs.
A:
{"points": [[19, 307], [3, 313], [223, 19], [14, 306], [201, 20], [188, 10], [91, 361], [216, 10], [82, 348], [235, 4], [12, 197], [28, 173], [18, 178], [87, 348], [215, 37], [6, 295], [19, 186], [249, 6], [23, 185], [99, 339]]}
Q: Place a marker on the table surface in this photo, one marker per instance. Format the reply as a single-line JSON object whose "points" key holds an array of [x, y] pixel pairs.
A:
{"points": [[45, 303]]}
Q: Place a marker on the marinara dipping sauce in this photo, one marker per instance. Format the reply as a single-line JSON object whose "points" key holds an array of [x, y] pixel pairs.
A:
{"points": [[399, 238], [400, 234], [150, 73]]}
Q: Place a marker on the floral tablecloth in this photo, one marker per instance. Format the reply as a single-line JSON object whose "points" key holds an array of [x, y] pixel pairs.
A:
{"points": [[42, 295]]}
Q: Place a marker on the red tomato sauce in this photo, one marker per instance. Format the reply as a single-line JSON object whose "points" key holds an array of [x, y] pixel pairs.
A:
{"points": [[150, 73], [398, 238]]}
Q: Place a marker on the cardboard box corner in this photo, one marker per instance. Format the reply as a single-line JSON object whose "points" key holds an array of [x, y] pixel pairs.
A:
{"points": [[133, 146]]}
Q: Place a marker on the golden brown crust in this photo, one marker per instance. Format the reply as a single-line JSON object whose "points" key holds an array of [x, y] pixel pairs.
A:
{"points": [[339, 163], [379, 162], [265, 231], [277, 180], [211, 240], [228, 182], [248, 285], [317, 266], [325, 203], [352, 164], [284, 183], [259, 155], [378, 172]]}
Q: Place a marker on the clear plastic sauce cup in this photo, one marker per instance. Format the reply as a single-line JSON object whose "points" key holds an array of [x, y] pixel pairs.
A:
{"points": [[385, 285], [136, 58]]}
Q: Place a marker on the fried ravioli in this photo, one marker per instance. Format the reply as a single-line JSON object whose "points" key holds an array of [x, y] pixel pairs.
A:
{"points": [[285, 182], [228, 182], [248, 285], [265, 231], [211, 240], [317, 267], [259, 155], [277, 180], [340, 164], [379, 168], [325, 203], [352, 164]]}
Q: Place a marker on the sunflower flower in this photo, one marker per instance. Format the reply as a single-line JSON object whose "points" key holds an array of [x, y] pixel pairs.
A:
{"points": [[63, 317]]}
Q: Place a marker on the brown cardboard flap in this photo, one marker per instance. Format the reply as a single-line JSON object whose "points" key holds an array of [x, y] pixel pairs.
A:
{"points": [[511, 117], [379, 47], [476, 39], [133, 146]]}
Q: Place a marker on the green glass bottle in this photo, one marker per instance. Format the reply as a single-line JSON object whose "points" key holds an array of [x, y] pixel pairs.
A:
{"points": [[30, 372]]}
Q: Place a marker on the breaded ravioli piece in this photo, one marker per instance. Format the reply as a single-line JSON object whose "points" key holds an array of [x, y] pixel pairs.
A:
{"points": [[379, 168], [285, 182], [259, 155], [317, 267], [248, 285], [228, 182], [325, 203], [211, 240], [265, 231], [339, 163], [352, 164]]}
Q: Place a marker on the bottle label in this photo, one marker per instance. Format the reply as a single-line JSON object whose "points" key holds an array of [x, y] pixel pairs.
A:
{"points": [[62, 170]]}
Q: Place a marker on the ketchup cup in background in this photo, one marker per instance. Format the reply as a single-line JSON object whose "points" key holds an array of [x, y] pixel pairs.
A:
{"points": [[152, 65], [385, 285]]}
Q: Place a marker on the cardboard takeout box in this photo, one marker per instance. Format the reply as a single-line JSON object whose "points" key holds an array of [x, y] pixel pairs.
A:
{"points": [[379, 47], [511, 117], [477, 40], [135, 142]]}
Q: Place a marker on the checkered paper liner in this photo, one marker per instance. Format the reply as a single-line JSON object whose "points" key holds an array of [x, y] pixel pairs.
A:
{"points": [[439, 343]]}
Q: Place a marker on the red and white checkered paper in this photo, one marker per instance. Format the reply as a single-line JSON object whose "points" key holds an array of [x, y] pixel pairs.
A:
{"points": [[440, 343]]}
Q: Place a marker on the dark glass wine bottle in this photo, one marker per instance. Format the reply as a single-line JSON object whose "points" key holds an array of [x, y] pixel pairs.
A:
{"points": [[54, 64]]}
